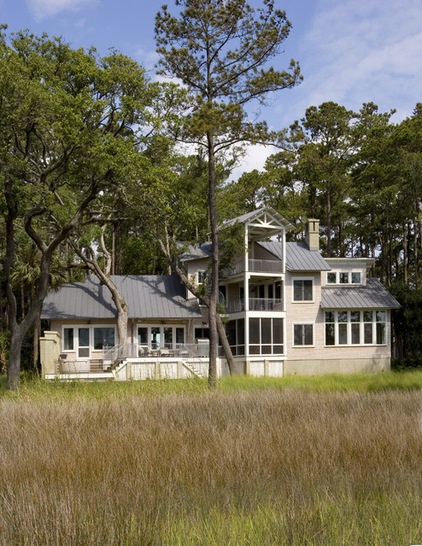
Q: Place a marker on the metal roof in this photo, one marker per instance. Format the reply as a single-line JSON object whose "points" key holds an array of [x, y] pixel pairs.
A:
{"points": [[147, 297], [370, 296], [197, 251], [300, 258]]}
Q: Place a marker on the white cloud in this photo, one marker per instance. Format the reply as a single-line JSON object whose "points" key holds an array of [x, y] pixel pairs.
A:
{"points": [[363, 50], [43, 9], [254, 158]]}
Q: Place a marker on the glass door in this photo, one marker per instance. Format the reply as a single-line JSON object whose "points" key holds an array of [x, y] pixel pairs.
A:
{"points": [[83, 343]]}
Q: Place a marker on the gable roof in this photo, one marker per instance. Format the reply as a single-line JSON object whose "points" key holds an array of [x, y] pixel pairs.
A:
{"points": [[263, 222], [371, 296], [147, 297]]}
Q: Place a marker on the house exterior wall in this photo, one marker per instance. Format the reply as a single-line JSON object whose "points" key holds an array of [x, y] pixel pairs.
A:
{"points": [[131, 333], [319, 358]]}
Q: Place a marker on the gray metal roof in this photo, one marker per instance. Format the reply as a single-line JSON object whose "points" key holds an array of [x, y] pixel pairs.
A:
{"points": [[371, 296], [298, 256], [196, 251], [147, 296]]}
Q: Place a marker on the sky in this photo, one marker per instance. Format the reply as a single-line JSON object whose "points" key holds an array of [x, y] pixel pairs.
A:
{"points": [[350, 51]]}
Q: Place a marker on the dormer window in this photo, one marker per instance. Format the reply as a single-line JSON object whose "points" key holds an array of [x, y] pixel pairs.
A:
{"points": [[344, 277]]}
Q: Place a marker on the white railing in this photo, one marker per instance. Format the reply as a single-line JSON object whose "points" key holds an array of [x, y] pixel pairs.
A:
{"points": [[255, 304], [255, 266]]}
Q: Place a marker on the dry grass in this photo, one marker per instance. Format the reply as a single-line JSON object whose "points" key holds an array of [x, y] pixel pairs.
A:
{"points": [[260, 467]]}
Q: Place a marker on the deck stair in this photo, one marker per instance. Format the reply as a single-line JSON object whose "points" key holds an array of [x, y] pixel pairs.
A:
{"points": [[194, 369]]}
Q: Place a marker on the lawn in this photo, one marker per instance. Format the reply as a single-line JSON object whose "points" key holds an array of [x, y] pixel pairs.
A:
{"points": [[330, 461]]}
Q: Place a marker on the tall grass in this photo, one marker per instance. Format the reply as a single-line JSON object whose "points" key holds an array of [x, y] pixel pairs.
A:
{"points": [[263, 466]]}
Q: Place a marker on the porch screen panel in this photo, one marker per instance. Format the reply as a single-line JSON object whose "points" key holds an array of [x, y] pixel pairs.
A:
{"points": [[254, 336], [266, 336], [231, 335], [278, 336], [240, 336]]}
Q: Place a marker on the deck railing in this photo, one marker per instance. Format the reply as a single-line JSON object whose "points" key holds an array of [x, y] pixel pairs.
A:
{"points": [[255, 304], [255, 266]]}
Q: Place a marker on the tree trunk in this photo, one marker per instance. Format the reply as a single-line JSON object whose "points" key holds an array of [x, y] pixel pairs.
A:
{"points": [[13, 371], [213, 296]]}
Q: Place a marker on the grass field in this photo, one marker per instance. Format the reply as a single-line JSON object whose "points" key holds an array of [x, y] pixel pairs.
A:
{"points": [[335, 460]]}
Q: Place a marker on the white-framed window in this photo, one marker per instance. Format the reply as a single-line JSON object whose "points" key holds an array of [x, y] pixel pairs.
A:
{"points": [[303, 289], [83, 339], [344, 277], [201, 277], [303, 335], [356, 327]]}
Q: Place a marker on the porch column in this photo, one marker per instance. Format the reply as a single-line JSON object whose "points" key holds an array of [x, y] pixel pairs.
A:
{"points": [[49, 352]]}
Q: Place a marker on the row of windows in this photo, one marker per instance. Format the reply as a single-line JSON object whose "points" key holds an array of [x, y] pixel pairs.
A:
{"points": [[83, 339], [344, 277], [346, 328], [80, 339]]}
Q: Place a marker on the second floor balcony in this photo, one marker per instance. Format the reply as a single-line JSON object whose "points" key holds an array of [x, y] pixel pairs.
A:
{"points": [[255, 266]]}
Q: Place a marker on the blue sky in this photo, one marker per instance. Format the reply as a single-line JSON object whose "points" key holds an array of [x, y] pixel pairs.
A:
{"points": [[350, 51]]}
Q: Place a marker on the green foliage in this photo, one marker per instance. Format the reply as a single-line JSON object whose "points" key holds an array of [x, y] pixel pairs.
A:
{"points": [[71, 124], [407, 323]]}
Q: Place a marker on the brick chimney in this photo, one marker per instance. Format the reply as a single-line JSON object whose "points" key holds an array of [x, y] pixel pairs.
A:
{"points": [[312, 234]]}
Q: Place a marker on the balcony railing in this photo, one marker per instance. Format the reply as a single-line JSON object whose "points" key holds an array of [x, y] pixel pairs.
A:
{"points": [[255, 304], [255, 266]]}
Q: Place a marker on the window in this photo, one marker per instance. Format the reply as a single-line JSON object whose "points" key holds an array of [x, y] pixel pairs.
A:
{"points": [[202, 277], [331, 278], [303, 334], [344, 277], [302, 290], [68, 344], [103, 338], [355, 327], [356, 277]]}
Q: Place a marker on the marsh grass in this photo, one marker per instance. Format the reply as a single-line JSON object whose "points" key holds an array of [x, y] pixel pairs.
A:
{"points": [[185, 466]]}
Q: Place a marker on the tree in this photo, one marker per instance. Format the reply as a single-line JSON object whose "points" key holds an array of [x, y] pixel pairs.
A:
{"points": [[220, 51], [66, 139]]}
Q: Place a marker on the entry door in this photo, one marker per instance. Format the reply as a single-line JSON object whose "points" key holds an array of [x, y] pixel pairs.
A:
{"points": [[83, 343]]}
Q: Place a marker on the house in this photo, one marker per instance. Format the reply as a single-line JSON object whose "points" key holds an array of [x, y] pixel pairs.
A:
{"points": [[287, 310]]}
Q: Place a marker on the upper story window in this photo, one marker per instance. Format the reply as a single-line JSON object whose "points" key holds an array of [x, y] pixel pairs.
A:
{"points": [[344, 277], [202, 277], [303, 290]]}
